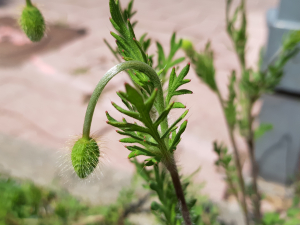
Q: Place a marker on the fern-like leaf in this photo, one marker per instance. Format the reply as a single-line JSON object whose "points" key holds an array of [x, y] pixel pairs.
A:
{"points": [[175, 82]]}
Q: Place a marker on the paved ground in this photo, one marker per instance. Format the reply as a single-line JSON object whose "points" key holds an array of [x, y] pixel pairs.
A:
{"points": [[42, 101]]}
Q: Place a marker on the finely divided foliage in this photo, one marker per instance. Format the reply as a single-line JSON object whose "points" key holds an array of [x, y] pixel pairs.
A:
{"points": [[149, 135], [238, 106], [141, 103]]}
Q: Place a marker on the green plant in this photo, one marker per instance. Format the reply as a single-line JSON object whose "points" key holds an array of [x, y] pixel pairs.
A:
{"points": [[22, 201], [146, 103], [149, 105], [166, 210], [237, 108], [291, 217]]}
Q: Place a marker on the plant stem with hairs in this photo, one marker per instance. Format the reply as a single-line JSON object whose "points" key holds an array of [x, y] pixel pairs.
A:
{"points": [[140, 66], [230, 128], [204, 67], [254, 167], [28, 2]]}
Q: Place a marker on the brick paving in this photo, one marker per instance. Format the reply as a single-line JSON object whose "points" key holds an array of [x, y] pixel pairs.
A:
{"points": [[42, 102]]}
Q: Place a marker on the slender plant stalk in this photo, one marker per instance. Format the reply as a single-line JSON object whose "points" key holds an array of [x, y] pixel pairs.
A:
{"points": [[251, 148], [169, 159], [179, 192], [232, 187], [271, 60], [237, 163], [240, 54], [28, 3], [240, 51], [137, 65]]}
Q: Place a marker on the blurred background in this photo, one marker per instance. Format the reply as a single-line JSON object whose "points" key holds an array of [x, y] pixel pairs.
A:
{"points": [[45, 88]]}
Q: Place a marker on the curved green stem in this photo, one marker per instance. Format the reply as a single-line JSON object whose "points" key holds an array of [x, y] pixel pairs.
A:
{"points": [[28, 3], [136, 65]]}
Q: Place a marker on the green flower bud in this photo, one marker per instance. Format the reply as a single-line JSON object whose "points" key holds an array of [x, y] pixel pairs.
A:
{"points": [[155, 206], [187, 45], [85, 156], [32, 23]]}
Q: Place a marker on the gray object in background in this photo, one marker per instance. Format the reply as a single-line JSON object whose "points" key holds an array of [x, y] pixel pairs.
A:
{"points": [[277, 152], [280, 21]]}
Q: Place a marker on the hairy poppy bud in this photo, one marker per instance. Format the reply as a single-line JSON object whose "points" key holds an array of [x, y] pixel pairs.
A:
{"points": [[32, 23], [155, 206], [188, 47], [85, 156]]}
